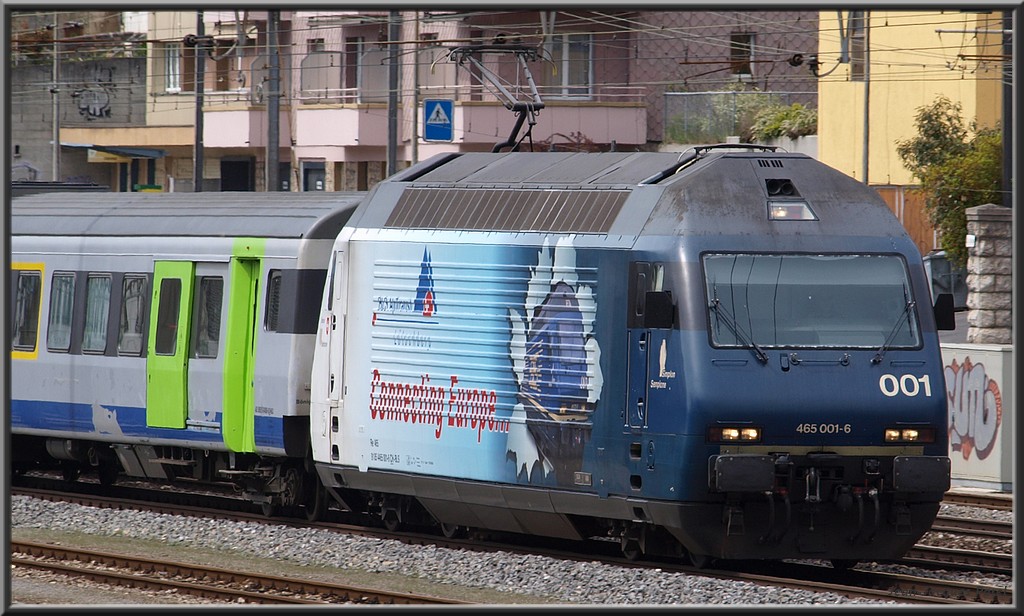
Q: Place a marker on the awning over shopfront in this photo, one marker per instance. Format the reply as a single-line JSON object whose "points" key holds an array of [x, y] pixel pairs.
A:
{"points": [[118, 150]]}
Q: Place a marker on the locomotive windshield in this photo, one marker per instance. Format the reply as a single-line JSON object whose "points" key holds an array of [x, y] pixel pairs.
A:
{"points": [[790, 300]]}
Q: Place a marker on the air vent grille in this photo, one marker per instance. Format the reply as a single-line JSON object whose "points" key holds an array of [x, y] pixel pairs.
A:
{"points": [[486, 209]]}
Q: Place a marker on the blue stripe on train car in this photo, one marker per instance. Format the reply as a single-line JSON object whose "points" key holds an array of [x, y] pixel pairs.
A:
{"points": [[105, 421]]}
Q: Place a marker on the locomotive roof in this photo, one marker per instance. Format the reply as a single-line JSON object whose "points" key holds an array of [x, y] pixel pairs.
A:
{"points": [[313, 215], [709, 190]]}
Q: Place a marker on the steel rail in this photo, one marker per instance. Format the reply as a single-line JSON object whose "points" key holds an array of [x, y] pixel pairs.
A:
{"points": [[216, 582]]}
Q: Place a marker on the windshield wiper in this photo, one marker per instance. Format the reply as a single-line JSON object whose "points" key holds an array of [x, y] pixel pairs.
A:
{"points": [[727, 318], [895, 328]]}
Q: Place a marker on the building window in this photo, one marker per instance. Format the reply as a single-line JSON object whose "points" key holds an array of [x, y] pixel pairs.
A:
{"points": [[62, 307], [568, 75], [857, 30], [97, 309], [26, 310], [206, 322], [741, 52], [353, 47], [315, 45], [133, 315], [179, 68]]}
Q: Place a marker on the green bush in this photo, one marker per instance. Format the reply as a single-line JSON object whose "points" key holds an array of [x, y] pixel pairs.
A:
{"points": [[784, 121], [956, 170]]}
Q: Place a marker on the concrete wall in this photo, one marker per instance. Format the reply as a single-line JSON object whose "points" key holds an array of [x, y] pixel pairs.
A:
{"points": [[106, 93], [990, 274], [979, 373], [979, 390]]}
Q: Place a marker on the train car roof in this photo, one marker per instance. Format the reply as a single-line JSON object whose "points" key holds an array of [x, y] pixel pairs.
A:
{"points": [[709, 190], [311, 215]]}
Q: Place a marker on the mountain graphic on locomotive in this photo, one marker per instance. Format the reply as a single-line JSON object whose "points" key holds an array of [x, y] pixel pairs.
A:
{"points": [[726, 354]]}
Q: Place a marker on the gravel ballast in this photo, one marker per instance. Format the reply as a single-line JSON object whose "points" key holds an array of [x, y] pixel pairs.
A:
{"points": [[545, 578]]}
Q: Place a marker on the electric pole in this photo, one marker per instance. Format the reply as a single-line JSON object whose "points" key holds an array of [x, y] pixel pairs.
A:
{"points": [[393, 36], [55, 93], [273, 104], [197, 161]]}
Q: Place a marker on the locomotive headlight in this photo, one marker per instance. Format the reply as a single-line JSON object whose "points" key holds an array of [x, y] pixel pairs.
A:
{"points": [[909, 435], [790, 210], [733, 434]]}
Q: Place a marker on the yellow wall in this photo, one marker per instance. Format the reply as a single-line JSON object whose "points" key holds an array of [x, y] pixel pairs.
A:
{"points": [[910, 65]]}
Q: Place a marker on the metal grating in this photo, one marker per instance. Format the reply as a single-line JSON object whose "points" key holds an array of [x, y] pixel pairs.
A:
{"points": [[494, 209], [762, 162]]}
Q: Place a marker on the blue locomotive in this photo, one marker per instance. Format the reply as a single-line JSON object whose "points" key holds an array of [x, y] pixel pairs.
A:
{"points": [[731, 354]]}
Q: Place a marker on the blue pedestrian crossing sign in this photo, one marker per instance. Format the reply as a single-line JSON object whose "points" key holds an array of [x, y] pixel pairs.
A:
{"points": [[437, 123]]}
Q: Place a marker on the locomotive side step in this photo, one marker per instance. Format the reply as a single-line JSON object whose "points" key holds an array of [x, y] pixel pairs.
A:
{"points": [[173, 461]]}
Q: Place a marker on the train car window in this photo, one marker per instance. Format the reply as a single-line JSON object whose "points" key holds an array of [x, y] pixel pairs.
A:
{"points": [[133, 315], [167, 316], [801, 300], [26, 310], [273, 301], [97, 309], [62, 308], [206, 321]]}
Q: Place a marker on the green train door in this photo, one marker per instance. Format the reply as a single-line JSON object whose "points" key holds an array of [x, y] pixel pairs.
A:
{"points": [[167, 353], [238, 419]]}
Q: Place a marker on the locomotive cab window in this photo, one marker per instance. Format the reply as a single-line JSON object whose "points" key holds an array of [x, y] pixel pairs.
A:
{"points": [[62, 307], [97, 309], [26, 310], [800, 300], [133, 315]]}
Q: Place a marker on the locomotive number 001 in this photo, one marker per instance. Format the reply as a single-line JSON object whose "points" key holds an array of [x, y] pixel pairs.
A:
{"points": [[825, 428], [908, 384]]}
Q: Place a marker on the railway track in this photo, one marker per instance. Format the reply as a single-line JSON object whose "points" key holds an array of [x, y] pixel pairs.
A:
{"points": [[989, 529], [934, 557], [1001, 502], [902, 588], [202, 581], [878, 585]]}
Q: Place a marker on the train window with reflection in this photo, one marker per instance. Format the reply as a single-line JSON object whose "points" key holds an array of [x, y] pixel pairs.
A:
{"points": [[206, 320], [62, 307], [133, 315], [273, 301], [97, 309], [166, 342], [26, 310], [801, 300]]}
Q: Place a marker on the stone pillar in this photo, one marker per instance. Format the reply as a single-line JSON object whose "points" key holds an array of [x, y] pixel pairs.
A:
{"points": [[989, 275]]}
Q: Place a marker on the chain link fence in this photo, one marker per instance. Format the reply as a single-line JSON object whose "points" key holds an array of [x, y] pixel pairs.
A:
{"points": [[711, 117]]}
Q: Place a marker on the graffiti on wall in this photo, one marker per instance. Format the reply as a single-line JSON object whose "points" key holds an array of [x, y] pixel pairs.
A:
{"points": [[975, 409], [93, 96]]}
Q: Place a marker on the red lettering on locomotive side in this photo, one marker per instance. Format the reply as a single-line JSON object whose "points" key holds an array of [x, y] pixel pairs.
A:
{"points": [[473, 409]]}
